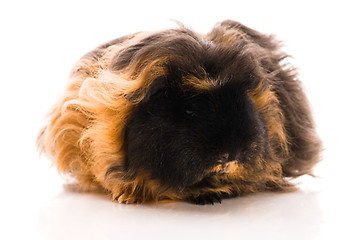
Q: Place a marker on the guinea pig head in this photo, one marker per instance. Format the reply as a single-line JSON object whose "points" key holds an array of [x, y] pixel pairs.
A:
{"points": [[182, 132]]}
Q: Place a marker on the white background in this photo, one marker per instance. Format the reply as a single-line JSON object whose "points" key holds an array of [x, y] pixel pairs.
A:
{"points": [[41, 40]]}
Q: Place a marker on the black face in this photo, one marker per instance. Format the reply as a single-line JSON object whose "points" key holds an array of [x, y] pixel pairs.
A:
{"points": [[178, 133]]}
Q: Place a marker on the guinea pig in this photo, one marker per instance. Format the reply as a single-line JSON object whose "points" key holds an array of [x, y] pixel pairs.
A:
{"points": [[176, 115]]}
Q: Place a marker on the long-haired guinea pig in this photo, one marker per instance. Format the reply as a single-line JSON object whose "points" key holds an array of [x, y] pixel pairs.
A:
{"points": [[176, 115]]}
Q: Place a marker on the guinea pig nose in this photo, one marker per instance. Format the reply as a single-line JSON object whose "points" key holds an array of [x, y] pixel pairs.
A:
{"points": [[224, 157], [235, 156]]}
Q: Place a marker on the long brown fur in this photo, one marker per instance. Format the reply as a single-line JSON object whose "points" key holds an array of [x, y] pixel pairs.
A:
{"points": [[86, 129]]}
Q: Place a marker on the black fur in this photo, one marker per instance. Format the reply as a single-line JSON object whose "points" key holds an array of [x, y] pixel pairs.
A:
{"points": [[179, 133]]}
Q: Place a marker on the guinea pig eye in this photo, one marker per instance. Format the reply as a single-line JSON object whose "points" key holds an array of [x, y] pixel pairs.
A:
{"points": [[189, 111]]}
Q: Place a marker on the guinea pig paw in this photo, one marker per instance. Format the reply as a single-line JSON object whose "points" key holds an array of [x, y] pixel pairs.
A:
{"points": [[125, 198], [205, 198]]}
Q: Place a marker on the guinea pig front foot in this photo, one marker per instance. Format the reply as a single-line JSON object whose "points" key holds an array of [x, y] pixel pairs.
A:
{"points": [[205, 198], [125, 198]]}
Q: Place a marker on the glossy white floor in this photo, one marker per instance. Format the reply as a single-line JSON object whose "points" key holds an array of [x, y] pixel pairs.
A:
{"points": [[44, 39]]}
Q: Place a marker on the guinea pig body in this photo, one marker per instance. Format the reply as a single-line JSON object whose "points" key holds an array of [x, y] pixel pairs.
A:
{"points": [[175, 115]]}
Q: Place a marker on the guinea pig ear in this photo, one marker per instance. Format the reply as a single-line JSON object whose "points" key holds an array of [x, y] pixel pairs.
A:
{"points": [[245, 79], [156, 87], [159, 85]]}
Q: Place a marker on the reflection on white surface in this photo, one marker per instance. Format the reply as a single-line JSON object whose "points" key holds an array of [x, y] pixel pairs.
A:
{"points": [[92, 216]]}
